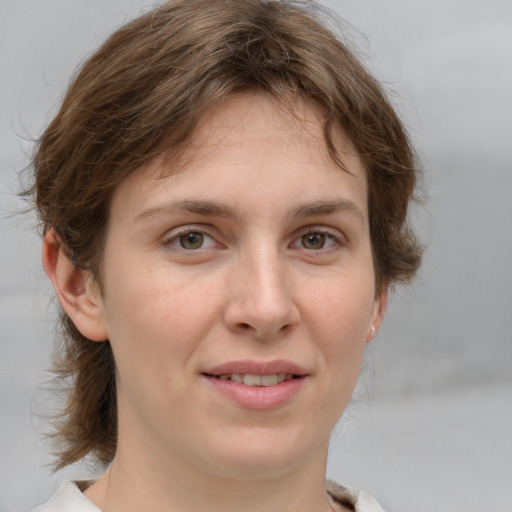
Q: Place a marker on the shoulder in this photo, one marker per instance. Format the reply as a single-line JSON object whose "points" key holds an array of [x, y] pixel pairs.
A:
{"points": [[67, 498], [352, 499]]}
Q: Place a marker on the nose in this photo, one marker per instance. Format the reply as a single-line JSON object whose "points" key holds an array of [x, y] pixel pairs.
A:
{"points": [[261, 298]]}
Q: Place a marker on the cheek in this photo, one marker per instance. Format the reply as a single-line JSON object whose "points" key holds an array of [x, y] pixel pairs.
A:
{"points": [[343, 308], [155, 317], [339, 323], [339, 318]]}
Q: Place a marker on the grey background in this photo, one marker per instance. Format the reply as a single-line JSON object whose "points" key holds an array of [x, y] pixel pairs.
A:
{"points": [[430, 427]]}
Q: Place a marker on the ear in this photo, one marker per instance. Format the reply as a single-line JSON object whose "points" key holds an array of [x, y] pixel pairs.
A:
{"points": [[380, 305], [75, 289]]}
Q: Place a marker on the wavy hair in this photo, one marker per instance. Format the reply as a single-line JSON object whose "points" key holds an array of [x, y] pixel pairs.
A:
{"points": [[142, 92]]}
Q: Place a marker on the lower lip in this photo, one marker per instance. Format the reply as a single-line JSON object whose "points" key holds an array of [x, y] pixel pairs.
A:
{"points": [[257, 397]]}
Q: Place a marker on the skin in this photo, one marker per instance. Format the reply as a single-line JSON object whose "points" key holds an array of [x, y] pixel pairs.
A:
{"points": [[284, 272]]}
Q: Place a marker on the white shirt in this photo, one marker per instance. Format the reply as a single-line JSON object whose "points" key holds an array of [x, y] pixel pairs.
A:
{"points": [[69, 498]]}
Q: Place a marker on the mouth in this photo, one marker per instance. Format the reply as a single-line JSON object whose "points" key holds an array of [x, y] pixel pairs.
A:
{"points": [[250, 379], [257, 385]]}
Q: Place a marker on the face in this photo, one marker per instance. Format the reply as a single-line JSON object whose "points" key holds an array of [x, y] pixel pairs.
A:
{"points": [[238, 293]]}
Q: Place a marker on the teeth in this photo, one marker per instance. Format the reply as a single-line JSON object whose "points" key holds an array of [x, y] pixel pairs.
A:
{"points": [[249, 379], [268, 380]]}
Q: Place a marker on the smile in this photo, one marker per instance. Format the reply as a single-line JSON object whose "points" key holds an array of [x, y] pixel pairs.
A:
{"points": [[249, 379], [257, 385]]}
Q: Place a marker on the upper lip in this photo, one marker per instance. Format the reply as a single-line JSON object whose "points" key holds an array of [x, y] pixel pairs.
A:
{"points": [[257, 368]]}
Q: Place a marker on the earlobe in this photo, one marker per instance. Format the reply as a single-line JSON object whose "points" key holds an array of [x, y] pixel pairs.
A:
{"points": [[380, 306], [76, 292]]}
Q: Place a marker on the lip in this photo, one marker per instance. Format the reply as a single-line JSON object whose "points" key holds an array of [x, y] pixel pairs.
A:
{"points": [[257, 397], [257, 368]]}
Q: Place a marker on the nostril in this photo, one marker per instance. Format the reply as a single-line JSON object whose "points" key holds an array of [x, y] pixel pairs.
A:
{"points": [[245, 326]]}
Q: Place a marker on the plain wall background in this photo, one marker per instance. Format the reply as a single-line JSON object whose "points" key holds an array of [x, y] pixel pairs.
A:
{"points": [[430, 428]]}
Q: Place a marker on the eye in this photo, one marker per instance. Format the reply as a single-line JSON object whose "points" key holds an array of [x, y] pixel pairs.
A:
{"points": [[317, 240], [313, 240], [192, 240]]}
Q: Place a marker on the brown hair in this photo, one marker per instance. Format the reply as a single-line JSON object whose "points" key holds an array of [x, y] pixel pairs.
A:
{"points": [[143, 92]]}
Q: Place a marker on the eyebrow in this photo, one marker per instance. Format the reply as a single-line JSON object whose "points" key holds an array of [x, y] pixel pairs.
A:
{"points": [[216, 209], [200, 207], [317, 208]]}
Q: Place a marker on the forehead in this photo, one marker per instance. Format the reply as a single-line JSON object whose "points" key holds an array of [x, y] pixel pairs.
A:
{"points": [[255, 137], [256, 116], [248, 119]]}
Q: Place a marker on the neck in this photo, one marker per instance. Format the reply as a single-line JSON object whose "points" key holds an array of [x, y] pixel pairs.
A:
{"points": [[135, 481]]}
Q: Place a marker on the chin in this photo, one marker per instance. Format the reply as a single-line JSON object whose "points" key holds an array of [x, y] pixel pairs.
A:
{"points": [[261, 453]]}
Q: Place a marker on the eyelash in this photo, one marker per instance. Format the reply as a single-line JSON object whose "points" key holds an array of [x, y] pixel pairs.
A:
{"points": [[174, 240], [338, 239]]}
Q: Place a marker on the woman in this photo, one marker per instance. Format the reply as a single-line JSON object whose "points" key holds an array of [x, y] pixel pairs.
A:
{"points": [[224, 197]]}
